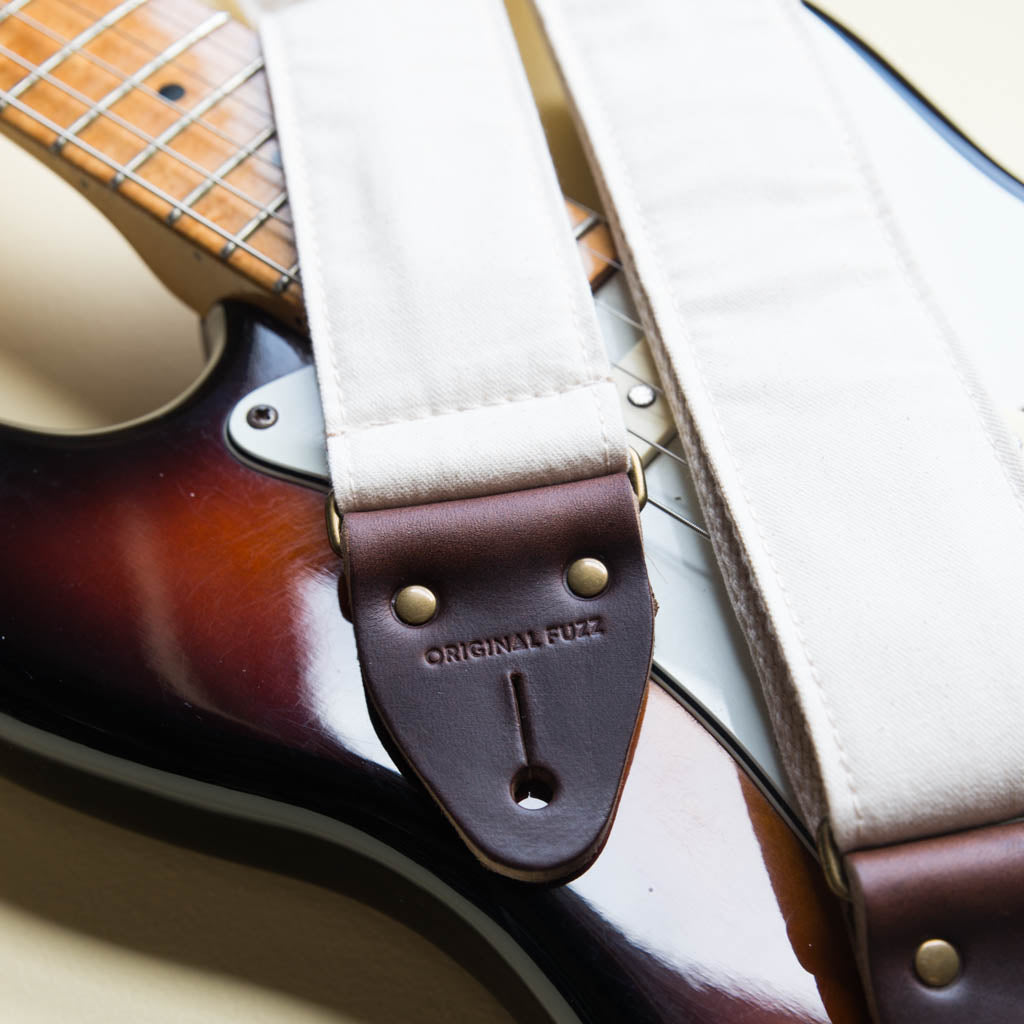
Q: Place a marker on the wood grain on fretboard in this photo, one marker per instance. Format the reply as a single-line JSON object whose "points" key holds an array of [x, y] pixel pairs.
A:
{"points": [[83, 78]]}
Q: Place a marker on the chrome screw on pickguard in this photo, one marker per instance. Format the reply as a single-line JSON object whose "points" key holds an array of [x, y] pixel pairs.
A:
{"points": [[641, 395], [259, 417]]}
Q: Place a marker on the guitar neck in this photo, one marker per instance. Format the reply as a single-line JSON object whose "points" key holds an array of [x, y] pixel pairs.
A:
{"points": [[165, 102]]}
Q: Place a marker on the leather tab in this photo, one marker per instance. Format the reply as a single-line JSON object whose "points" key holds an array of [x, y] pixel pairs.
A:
{"points": [[965, 889], [516, 684]]}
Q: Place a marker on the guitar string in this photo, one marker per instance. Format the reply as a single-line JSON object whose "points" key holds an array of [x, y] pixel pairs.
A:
{"points": [[167, 15], [152, 143], [625, 317], [143, 184], [155, 64], [696, 527], [660, 447], [678, 516], [153, 94], [640, 380]]}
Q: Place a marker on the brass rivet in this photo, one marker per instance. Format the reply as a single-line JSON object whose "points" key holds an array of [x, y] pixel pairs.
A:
{"points": [[415, 605], [587, 577], [937, 962]]}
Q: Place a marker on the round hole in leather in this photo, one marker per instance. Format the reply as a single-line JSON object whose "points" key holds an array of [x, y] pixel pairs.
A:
{"points": [[533, 788]]}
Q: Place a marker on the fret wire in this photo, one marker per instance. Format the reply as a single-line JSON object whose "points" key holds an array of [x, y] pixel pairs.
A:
{"points": [[155, 144], [167, 15], [255, 224], [117, 73], [72, 46], [141, 182], [176, 49], [233, 161], [282, 282]]}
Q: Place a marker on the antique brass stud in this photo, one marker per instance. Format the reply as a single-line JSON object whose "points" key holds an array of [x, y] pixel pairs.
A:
{"points": [[936, 963], [587, 577], [415, 605]]}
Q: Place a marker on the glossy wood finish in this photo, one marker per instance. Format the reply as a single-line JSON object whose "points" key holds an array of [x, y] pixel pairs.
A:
{"points": [[167, 603]]}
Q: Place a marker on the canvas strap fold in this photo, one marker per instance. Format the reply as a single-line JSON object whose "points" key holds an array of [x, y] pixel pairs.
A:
{"points": [[454, 333], [864, 500]]}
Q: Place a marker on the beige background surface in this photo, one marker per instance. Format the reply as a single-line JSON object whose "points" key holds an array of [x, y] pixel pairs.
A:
{"points": [[114, 907]]}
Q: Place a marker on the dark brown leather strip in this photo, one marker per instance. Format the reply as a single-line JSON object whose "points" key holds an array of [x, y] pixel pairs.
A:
{"points": [[516, 684], [966, 890]]}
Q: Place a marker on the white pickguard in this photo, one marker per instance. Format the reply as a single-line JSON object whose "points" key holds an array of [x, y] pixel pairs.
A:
{"points": [[967, 235]]}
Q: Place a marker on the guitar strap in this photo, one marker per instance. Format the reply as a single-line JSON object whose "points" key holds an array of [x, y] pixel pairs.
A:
{"points": [[864, 500], [493, 565], [454, 332]]}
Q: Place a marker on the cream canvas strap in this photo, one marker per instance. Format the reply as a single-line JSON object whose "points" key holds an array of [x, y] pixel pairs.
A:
{"points": [[864, 501], [454, 333]]}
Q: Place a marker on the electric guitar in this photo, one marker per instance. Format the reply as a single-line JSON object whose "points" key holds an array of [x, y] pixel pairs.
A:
{"points": [[170, 617]]}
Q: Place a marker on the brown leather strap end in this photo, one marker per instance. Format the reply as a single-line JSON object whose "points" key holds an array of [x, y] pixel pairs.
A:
{"points": [[940, 927], [518, 700]]}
